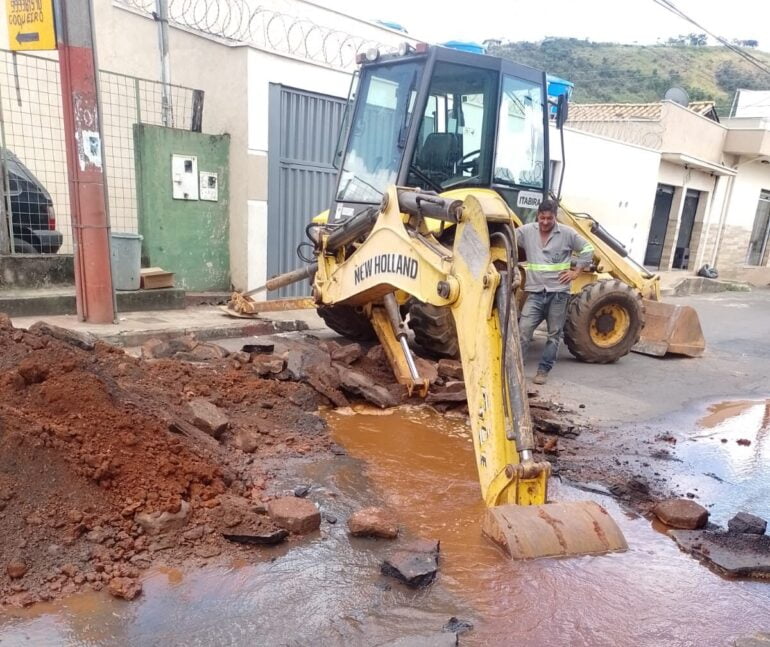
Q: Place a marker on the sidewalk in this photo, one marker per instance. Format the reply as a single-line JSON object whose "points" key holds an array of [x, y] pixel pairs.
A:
{"points": [[681, 283], [205, 322]]}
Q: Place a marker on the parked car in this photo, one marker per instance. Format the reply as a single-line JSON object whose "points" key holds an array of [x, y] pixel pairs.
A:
{"points": [[33, 217]]}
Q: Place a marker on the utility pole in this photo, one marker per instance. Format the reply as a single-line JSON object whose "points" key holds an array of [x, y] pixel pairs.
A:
{"points": [[161, 17], [85, 160]]}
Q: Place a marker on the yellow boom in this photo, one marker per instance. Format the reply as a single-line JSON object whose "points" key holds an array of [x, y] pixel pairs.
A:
{"points": [[390, 256]]}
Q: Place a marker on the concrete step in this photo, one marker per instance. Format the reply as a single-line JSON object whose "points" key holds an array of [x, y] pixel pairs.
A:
{"points": [[61, 301]]}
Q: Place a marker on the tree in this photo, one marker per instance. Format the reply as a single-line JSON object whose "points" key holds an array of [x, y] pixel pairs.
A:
{"points": [[730, 77], [692, 39], [676, 40]]}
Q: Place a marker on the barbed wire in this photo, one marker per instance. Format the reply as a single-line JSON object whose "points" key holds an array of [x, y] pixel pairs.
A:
{"points": [[243, 22], [648, 134]]}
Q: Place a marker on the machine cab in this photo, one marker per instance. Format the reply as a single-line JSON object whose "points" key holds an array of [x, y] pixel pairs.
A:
{"points": [[442, 119]]}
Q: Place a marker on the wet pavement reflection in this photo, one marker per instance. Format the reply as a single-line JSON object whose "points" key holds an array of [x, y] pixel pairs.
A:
{"points": [[731, 444], [327, 590]]}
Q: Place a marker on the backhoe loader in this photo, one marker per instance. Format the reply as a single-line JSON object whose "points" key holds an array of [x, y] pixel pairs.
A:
{"points": [[463, 124], [438, 148]]}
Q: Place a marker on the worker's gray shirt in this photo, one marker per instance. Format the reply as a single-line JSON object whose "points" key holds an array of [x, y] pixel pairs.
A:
{"points": [[546, 262]]}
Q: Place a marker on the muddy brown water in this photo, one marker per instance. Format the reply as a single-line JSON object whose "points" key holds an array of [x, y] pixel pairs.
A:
{"points": [[326, 590]]}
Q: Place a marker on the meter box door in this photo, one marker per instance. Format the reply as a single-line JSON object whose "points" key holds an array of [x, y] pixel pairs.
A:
{"points": [[186, 228], [184, 177]]}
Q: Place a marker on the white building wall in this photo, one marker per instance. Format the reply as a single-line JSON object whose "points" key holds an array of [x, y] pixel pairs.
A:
{"points": [[750, 180], [681, 176], [613, 181]]}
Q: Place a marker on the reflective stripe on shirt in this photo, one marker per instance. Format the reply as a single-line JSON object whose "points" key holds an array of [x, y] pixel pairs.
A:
{"points": [[540, 267]]}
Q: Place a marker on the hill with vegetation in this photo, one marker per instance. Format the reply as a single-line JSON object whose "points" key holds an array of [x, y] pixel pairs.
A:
{"points": [[616, 73]]}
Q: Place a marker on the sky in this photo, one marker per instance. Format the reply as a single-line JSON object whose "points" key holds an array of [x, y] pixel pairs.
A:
{"points": [[623, 21]]}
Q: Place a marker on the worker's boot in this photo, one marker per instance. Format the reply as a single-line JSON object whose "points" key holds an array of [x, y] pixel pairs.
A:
{"points": [[540, 378]]}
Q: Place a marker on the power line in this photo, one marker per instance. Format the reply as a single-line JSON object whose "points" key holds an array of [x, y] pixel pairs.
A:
{"points": [[670, 6]]}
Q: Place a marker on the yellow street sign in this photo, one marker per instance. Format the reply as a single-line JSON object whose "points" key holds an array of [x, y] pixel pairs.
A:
{"points": [[30, 24]]}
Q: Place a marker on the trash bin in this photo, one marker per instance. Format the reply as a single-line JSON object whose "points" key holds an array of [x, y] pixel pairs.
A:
{"points": [[126, 260]]}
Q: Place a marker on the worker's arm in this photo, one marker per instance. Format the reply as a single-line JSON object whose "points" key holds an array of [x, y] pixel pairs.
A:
{"points": [[521, 238], [585, 254]]}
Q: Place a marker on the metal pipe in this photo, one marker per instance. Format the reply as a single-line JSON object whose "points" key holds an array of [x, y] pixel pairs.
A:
{"points": [[722, 219], [161, 16], [6, 216], [282, 280]]}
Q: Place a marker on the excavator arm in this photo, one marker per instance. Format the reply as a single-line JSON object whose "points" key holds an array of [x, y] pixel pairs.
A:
{"points": [[395, 258]]}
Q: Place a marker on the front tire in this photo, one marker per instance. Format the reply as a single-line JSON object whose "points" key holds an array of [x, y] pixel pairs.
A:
{"points": [[434, 329], [604, 321], [348, 322]]}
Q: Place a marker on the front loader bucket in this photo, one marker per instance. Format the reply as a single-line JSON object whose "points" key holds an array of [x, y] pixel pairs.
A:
{"points": [[565, 529], [670, 329]]}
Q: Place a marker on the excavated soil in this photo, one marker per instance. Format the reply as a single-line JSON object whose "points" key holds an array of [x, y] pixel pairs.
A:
{"points": [[105, 470], [91, 440]]}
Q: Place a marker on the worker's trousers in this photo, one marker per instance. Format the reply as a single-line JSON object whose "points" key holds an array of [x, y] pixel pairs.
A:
{"points": [[550, 307]]}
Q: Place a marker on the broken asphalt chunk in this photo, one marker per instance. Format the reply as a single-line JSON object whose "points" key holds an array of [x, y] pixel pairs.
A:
{"points": [[84, 340], [263, 539], [743, 522], [415, 564], [208, 417], [258, 348], [358, 383], [737, 555]]}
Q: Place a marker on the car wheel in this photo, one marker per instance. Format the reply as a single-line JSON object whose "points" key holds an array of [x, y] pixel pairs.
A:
{"points": [[23, 247]]}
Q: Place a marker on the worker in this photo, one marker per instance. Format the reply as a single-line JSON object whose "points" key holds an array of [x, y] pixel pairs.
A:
{"points": [[549, 247]]}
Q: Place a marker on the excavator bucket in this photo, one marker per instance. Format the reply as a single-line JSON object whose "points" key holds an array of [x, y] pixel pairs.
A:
{"points": [[563, 529], [670, 329]]}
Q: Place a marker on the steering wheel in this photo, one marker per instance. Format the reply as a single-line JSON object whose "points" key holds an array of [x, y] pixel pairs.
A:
{"points": [[469, 162]]}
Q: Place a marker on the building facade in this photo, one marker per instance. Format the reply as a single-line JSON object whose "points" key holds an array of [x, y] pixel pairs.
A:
{"points": [[711, 194]]}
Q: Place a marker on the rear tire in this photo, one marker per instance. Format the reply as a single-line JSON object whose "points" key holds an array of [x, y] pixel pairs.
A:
{"points": [[604, 321], [434, 329], [23, 247], [348, 322]]}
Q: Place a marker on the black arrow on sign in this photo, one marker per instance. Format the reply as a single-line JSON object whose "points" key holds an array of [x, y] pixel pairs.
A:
{"points": [[27, 38]]}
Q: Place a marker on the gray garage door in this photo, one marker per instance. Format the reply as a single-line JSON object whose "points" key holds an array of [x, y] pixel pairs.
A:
{"points": [[301, 141]]}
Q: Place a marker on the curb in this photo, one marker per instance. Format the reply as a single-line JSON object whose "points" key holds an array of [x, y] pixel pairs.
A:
{"points": [[699, 285], [248, 328], [52, 305]]}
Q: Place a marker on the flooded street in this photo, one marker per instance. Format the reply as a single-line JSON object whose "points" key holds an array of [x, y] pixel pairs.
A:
{"points": [[326, 589], [651, 595], [731, 443]]}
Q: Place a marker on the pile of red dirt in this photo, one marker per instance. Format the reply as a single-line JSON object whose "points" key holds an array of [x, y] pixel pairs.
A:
{"points": [[97, 448]]}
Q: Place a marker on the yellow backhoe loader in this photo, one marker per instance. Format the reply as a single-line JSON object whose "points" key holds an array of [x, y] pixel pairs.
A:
{"points": [[380, 260], [469, 136]]}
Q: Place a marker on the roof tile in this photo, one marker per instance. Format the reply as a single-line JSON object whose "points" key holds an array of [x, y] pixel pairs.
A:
{"points": [[628, 111]]}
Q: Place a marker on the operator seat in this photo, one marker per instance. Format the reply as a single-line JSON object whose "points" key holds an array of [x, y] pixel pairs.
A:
{"points": [[439, 156]]}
